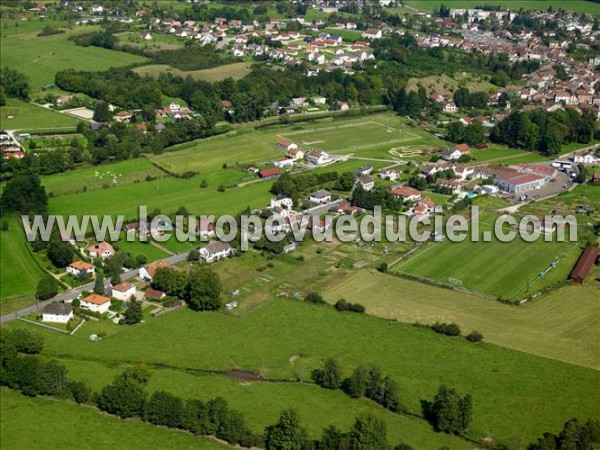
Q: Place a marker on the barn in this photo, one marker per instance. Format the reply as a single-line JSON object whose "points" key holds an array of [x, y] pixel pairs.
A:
{"points": [[584, 265]]}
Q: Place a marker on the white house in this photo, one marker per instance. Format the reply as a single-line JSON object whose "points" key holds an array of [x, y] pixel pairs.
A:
{"points": [[57, 313], [317, 157], [148, 271], [215, 251], [454, 153], [372, 33], [123, 291], [285, 146], [295, 153], [406, 193], [282, 201], [319, 100], [96, 303], [366, 182], [584, 157], [450, 107], [79, 267], [146, 36], [174, 107], [101, 250], [389, 174], [321, 196]]}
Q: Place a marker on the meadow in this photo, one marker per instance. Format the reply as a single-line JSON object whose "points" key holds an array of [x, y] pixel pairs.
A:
{"points": [[580, 6], [19, 115], [93, 178], [19, 273], [235, 70], [561, 325], [287, 338], [59, 424], [166, 194], [40, 58], [485, 267]]}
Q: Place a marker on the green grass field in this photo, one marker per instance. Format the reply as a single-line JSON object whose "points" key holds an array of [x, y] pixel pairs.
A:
{"points": [[288, 339], [484, 266], [151, 252], [21, 115], [570, 5], [41, 57], [58, 424], [166, 194], [562, 325], [95, 178], [19, 274], [234, 70]]}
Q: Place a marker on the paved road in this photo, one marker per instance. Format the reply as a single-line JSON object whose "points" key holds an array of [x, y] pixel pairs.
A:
{"points": [[73, 293]]}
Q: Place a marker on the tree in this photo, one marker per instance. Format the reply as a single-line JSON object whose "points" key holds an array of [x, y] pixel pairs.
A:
{"points": [[80, 391], [287, 433], [24, 194], [99, 287], [133, 312], [356, 385], [46, 288], [474, 336], [368, 433], [346, 181], [449, 412], [125, 397], [101, 112], [314, 297], [204, 290], [23, 340], [165, 409], [60, 253], [14, 83], [170, 281], [330, 376]]}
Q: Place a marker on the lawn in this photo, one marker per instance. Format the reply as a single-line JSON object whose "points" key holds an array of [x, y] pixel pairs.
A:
{"points": [[19, 273], [446, 85], [151, 252], [41, 57], [485, 267], [58, 424], [17, 114], [500, 154], [235, 70], [287, 339], [580, 6], [562, 325], [107, 176], [166, 194]]}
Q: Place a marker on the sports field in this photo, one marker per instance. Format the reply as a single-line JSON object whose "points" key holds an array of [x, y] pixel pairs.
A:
{"points": [[106, 176], [17, 114], [562, 325], [371, 136], [234, 70], [287, 338], [41, 57], [19, 273], [569, 5], [501, 269], [58, 424]]}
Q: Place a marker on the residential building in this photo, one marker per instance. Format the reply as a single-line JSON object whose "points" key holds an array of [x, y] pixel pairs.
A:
{"points": [[123, 291], [96, 303], [57, 313], [148, 271], [321, 196], [101, 250], [316, 157], [78, 268], [366, 182], [281, 201], [406, 193], [215, 251]]}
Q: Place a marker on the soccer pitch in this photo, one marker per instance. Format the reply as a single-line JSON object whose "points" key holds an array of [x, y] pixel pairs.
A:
{"points": [[502, 269]]}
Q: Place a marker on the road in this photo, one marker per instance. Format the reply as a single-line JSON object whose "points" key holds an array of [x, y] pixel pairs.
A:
{"points": [[74, 293]]}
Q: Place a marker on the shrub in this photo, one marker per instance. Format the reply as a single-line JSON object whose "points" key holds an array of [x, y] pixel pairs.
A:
{"points": [[383, 267], [47, 288], [474, 336], [449, 329], [314, 297]]}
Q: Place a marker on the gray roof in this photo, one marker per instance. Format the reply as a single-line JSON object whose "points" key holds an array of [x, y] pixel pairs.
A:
{"points": [[58, 308]]}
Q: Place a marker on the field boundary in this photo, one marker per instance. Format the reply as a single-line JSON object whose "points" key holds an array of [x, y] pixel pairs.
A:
{"points": [[444, 285]]}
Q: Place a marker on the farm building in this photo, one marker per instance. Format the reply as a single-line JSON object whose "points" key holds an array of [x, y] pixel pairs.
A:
{"points": [[584, 264], [155, 294], [57, 313], [516, 182], [267, 174]]}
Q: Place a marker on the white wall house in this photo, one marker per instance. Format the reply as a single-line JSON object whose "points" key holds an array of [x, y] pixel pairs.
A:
{"points": [[57, 313], [96, 303], [316, 157], [101, 250], [123, 291], [282, 201], [321, 196], [78, 267], [215, 251], [147, 272]]}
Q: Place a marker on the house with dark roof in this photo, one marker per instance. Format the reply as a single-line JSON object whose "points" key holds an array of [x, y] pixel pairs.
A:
{"points": [[215, 251], [57, 313]]}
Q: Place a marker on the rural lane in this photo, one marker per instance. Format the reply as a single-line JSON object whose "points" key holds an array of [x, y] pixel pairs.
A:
{"points": [[74, 293]]}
